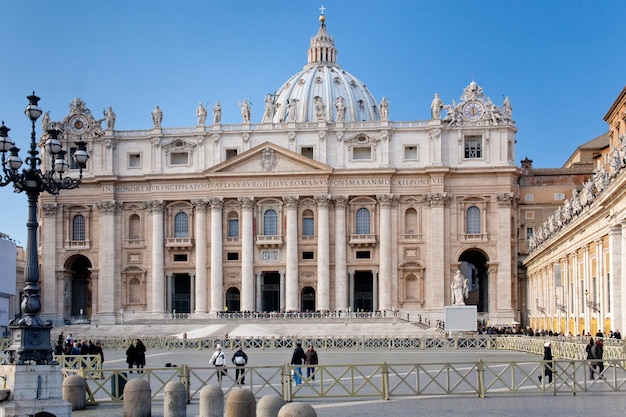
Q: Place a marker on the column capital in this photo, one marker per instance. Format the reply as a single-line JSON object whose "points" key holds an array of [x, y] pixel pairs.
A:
{"points": [[155, 206], [108, 206], [340, 201], [322, 200], [200, 204], [385, 200], [246, 202], [291, 201], [216, 203], [505, 199], [49, 209], [436, 199]]}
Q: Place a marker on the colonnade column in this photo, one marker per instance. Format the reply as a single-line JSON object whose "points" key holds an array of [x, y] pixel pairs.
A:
{"points": [[291, 254], [375, 284], [618, 267], [323, 254], [341, 277], [281, 285], [105, 302], [247, 254], [351, 294], [158, 277], [216, 255], [502, 293], [437, 235], [200, 287], [53, 288], [384, 296]]}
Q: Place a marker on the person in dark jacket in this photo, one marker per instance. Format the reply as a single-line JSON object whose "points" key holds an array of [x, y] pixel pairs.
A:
{"points": [[549, 365], [311, 359], [598, 352], [131, 356], [591, 363], [140, 352], [298, 359], [240, 359]]}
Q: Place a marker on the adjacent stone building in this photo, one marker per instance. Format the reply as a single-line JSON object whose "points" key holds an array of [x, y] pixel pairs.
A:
{"points": [[326, 204], [576, 258]]}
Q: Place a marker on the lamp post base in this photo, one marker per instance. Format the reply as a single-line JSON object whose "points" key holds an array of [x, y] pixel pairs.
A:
{"points": [[30, 343]]}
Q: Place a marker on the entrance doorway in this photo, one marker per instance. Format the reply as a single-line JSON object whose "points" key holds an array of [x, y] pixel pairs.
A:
{"points": [[79, 305], [363, 291], [270, 291], [181, 293], [308, 299], [233, 300], [474, 267]]}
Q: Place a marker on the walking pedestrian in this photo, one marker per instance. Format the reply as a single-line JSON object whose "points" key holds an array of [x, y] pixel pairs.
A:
{"points": [[218, 360], [598, 352], [297, 358], [310, 359], [549, 365], [240, 360], [591, 363]]}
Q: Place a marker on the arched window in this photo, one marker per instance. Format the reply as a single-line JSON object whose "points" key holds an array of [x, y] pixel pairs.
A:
{"points": [[410, 222], [308, 223], [473, 221], [181, 225], [78, 228], [270, 223], [134, 225], [362, 221], [233, 224]]}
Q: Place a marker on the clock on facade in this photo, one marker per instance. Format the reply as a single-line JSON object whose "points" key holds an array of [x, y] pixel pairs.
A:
{"points": [[473, 110], [78, 124]]}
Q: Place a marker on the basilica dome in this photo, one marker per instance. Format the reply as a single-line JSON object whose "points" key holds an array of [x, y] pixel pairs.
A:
{"points": [[323, 90]]}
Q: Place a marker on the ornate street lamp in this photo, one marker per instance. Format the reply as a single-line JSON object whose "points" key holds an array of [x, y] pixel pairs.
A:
{"points": [[31, 336]]}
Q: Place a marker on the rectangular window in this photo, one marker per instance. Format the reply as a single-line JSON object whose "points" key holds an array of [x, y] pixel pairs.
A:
{"points": [[308, 226], [529, 197], [72, 161], [179, 158], [308, 255], [529, 233], [231, 153], [307, 151], [233, 227], [363, 254], [473, 147], [530, 215], [559, 196], [362, 153], [232, 256], [134, 160], [410, 153], [180, 257]]}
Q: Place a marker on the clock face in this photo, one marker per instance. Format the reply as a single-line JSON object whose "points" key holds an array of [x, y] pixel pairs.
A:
{"points": [[473, 110], [78, 124]]}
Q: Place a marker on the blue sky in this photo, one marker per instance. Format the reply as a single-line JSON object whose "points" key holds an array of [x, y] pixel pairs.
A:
{"points": [[562, 63]]}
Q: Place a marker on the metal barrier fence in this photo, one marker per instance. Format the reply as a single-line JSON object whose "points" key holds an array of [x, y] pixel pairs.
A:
{"points": [[384, 381]]}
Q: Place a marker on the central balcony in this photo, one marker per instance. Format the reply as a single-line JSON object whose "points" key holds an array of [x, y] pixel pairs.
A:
{"points": [[269, 241]]}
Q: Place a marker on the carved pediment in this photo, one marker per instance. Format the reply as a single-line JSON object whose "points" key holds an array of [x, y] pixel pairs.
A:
{"points": [[269, 158], [361, 139], [178, 145]]}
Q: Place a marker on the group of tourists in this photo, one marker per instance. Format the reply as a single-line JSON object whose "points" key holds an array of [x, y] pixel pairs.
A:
{"points": [[71, 346], [240, 360]]}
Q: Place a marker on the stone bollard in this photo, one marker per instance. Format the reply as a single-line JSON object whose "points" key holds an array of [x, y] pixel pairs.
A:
{"points": [[269, 405], [240, 403], [74, 390], [175, 401], [297, 410], [137, 399], [211, 401]]}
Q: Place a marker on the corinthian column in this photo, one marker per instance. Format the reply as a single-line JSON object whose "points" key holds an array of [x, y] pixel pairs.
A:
{"points": [[216, 255], [291, 254], [341, 274], [53, 288], [201, 264], [247, 254], [323, 254], [158, 277], [105, 303], [384, 283]]}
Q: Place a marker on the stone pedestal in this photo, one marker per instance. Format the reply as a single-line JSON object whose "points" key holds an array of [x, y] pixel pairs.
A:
{"points": [[33, 389]]}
